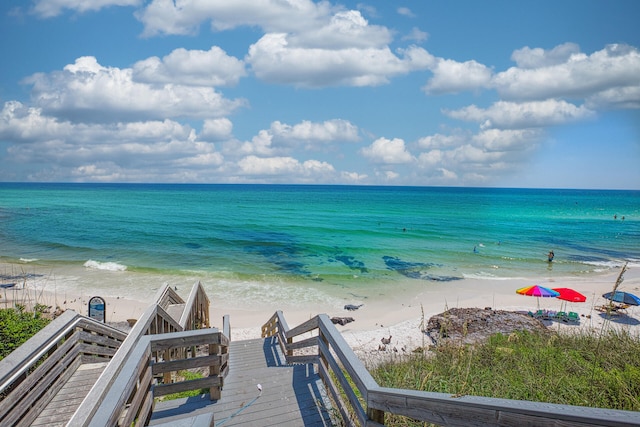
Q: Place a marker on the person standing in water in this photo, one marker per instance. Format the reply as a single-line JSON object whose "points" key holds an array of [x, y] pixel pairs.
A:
{"points": [[551, 256]]}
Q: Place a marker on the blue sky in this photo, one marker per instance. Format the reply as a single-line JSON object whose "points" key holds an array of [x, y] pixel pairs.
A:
{"points": [[425, 92]]}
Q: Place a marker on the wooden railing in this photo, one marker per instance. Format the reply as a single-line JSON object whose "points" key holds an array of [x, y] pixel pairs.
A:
{"points": [[154, 321], [32, 374], [129, 399], [318, 341], [196, 313]]}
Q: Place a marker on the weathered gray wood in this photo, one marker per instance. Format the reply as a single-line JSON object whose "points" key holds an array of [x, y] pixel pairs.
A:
{"points": [[23, 357], [337, 397], [66, 401], [311, 358], [142, 395], [354, 366], [305, 327], [309, 342], [95, 397], [188, 339], [226, 326], [444, 409], [290, 393], [193, 362], [202, 420], [342, 380], [175, 311], [90, 349], [103, 340], [145, 410], [100, 328], [206, 382], [17, 395], [108, 409], [38, 396]]}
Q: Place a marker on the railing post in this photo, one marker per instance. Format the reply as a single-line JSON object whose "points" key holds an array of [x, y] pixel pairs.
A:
{"points": [[376, 415], [214, 370], [166, 377]]}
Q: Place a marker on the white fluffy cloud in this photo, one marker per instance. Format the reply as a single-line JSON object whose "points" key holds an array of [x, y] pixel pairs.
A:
{"points": [[185, 17], [191, 68], [282, 138], [528, 58], [451, 76], [51, 8], [328, 131], [88, 91], [510, 115], [345, 29], [388, 151], [283, 166], [78, 151], [615, 68], [217, 129], [272, 59]]}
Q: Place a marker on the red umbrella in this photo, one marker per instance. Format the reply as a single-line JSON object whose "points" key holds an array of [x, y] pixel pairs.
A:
{"points": [[569, 294]]}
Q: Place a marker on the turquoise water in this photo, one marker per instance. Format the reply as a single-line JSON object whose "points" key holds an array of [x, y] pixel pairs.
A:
{"points": [[325, 235]]}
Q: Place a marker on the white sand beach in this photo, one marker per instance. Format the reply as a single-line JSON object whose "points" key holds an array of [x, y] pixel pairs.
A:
{"points": [[401, 316]]}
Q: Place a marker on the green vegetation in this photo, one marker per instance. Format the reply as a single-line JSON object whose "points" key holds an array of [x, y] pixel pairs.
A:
{"points": [[18, 325], [581, 369], [185, 376]]}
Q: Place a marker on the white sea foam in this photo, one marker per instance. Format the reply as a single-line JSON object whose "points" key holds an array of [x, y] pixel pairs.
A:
{"points": [[109, 266], [488, 276], [27, 260]]}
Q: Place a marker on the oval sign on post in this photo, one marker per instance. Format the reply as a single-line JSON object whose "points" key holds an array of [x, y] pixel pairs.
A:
{"points": [[97, 307]]}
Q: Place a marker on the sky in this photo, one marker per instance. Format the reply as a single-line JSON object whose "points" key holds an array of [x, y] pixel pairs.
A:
{"points": [[496, 93]]}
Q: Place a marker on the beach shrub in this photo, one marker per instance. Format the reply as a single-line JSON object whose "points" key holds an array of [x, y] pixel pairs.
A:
{"points": [[185, 376], [584, 369], [17, 326]]}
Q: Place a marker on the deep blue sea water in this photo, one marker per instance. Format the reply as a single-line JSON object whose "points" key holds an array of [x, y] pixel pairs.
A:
{"points": [[323, 235]]}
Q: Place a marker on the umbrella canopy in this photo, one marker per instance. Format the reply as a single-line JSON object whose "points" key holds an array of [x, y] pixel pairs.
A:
{"points": [[569, 294], [537, 291], [622, 297]]}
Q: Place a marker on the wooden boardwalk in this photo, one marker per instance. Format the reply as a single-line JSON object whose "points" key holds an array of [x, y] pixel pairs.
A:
{"points": [[292, 395], [59, 411]]}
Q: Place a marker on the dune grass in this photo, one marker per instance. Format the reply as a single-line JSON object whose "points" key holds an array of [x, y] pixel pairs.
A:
{"points": [[586, 369], [17, 325]]}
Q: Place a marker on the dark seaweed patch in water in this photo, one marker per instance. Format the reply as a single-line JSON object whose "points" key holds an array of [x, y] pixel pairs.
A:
{"points": [[352, 263], [281, 252], [191, 245], [415, 270]]}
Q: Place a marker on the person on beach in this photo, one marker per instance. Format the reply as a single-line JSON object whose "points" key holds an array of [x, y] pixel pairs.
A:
{"points": [[551, 256]]}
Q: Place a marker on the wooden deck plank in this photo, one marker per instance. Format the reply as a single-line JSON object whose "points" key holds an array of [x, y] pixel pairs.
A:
{"points": [[175, 311], [59, 411], [290, 393]]}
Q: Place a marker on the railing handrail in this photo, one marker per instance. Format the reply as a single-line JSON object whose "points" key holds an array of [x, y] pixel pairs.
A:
{"points": [[167, 296], [197, 292], [164, 296], [89, 405], [108, 409], [438, 408], [27, 355]]}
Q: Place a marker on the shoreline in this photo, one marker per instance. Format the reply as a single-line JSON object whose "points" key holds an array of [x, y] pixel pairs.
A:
{"points": [[400, 314]]}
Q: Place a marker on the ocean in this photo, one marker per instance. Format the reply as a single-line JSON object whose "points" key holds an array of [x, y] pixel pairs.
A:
{"points": [[254, 240]]}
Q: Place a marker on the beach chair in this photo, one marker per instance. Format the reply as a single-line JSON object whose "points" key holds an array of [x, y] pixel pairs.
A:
{"points": [[573, 317], [540, 314], [561, 316]]}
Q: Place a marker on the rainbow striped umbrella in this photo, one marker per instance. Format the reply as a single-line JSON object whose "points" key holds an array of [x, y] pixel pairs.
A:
{"points": [[538, 291]]}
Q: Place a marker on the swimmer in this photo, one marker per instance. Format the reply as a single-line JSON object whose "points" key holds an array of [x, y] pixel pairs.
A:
{"points": [[551, 256]]}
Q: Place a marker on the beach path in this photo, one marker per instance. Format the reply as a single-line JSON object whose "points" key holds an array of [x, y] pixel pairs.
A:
{"points": [[260, 389], [62, 407]]}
